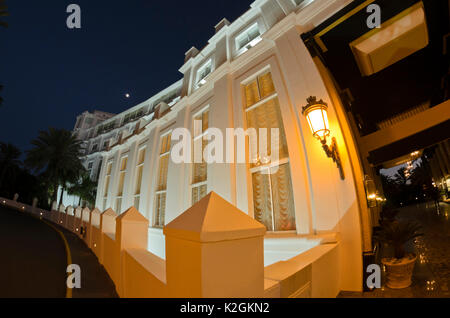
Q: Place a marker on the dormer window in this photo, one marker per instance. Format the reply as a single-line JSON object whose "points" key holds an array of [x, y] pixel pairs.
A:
{"points": [[203, 72], [248, 38]]}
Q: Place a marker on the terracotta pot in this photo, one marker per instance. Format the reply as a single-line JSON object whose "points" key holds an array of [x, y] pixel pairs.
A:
{"points": [[399, 271]]}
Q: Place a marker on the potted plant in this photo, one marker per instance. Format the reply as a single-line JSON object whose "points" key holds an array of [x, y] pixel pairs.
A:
{"points": [[399, 268]]}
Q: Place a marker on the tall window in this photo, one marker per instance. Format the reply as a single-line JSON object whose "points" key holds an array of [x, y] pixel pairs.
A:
{"points": [[139, 171], [161, 187], [107, 181], [202, 72], [122, 172], [272, 186], [200, 168], [249, 37]]}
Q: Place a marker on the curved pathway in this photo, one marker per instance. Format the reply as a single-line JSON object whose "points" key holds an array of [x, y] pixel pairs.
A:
{"points": [[33, 261]]}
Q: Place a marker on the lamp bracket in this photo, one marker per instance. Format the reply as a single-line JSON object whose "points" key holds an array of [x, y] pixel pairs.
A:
{"points": [[312, 100], [332, 151]]}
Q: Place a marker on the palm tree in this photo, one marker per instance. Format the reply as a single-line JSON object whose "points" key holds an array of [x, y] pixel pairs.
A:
{"points": [[85, 189], [400, 177], [9, 157], [57, 152], [3, 13]]}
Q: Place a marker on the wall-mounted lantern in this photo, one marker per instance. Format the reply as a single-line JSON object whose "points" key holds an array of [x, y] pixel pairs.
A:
{"points": [[371, 192], [316, 115]]}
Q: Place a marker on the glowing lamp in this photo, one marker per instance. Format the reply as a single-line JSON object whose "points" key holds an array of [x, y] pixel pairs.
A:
{"points": [[316, 113]]}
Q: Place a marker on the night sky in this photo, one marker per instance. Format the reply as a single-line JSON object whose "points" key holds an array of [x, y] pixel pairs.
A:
{"points": [[51, 73]]}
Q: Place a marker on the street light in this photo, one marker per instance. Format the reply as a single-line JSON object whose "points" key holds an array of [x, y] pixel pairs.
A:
{"points": [[317, 117]]}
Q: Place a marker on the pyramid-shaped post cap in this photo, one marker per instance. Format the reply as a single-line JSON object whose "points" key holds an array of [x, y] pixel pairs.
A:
{"points": [[78, 212], [132, 215], [96, 211], [109, 212], [213, 219], [85, 213], [69, 210]]}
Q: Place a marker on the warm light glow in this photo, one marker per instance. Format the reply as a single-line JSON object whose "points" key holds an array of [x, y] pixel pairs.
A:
{"points": [[318, 120]]}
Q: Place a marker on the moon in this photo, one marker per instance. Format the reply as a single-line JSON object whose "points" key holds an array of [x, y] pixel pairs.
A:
{"points": [[127, 95]]}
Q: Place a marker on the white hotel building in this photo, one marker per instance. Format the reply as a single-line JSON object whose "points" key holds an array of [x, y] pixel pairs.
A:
{"points": [[254, 73]]}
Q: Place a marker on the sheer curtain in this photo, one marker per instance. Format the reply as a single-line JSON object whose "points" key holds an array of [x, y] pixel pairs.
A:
{"points": [[272, 187]]}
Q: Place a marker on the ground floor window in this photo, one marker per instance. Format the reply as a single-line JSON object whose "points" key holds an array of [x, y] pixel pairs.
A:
{"points": [[273, 199], [200, 168], [161, 188]]}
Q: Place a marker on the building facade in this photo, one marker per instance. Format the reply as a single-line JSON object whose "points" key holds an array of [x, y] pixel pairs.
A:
{"points": [[254, 73]]}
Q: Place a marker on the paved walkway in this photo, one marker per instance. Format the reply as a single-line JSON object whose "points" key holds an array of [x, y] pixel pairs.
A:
{"points": [[33, 261], [431, 277]]}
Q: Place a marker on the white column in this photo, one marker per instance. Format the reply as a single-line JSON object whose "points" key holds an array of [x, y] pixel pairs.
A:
{"points": [[222, 176], [333, 202], [129, 182], [176, 177], [148, 175]]}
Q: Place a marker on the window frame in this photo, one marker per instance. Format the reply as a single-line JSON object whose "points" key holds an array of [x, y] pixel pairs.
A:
{"points": [[137, 196], [260, 167], [200, 81], [156, 191], [124, 172], [195, 138], [107, 182], [245, 32]]}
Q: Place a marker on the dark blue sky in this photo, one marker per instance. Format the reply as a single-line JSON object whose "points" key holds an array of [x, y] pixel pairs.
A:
{"points": [[51, 74]]}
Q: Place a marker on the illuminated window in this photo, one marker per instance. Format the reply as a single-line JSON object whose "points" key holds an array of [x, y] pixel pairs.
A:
{"points": [[122, 172], [248, 38], [107, 180], [199, 166], [202, 73], [272, 187], [139, 172], [161, 186]]}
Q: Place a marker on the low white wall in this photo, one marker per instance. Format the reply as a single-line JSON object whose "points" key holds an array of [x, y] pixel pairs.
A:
{"points": [[314, 273], [156, 242], [137, 272]]}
